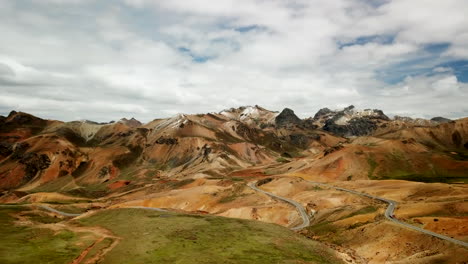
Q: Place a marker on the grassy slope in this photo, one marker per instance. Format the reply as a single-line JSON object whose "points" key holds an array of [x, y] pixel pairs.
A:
{"points": [[154, 237], [397, 165], [21, 244]]}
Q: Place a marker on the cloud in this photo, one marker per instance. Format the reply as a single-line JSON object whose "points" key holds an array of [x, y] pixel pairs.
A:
{"points": [[103, 60]]}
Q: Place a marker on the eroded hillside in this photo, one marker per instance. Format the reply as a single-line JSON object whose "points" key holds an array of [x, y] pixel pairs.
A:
{"points": [[202, 164]]}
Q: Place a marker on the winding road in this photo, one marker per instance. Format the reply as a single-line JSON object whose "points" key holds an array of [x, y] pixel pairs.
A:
{"points": [[57, 211], [299, 207], [389, 212], [74, 215]]}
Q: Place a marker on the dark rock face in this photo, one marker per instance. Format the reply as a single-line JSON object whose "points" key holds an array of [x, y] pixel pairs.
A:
{"points": [[380, 115], [322, 112], [353, 122], [297, 140], [245, 131], [34, 163], [309, 124], [456, 138], [349, 108], [6, 149], [440, 119], [332, 149], [287, 118], [167, 141], [18, 119], [205, 151], [355, 127], [104, 171]]}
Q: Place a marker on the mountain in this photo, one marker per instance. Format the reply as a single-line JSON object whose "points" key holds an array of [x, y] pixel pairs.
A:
{"points": [[130, 122], [203, 164], [35, 152]]}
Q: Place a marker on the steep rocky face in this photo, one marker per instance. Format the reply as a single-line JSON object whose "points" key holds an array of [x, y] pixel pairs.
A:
{"points": [[354, 127], [287, 118], [322, 112], [349, 121]]}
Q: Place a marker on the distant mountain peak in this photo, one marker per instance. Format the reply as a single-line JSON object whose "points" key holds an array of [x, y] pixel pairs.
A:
{"points": [[132, 122], [287, 118], [440, 119], [349, 121]]}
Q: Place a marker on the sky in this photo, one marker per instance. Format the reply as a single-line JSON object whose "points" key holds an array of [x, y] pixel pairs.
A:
{"points": [[104, 60]]}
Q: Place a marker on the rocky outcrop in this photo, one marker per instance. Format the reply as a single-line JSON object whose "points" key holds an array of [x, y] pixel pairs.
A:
{"points": [[322, 112], [349, 121], [33, 162], [24, 121], [355, 127], [167, 141], [287, 118], [440, 119], [415, 121], [130, 122]]}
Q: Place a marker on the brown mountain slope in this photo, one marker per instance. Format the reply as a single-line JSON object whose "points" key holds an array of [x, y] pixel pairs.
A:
{"points": [[430, 154], [84, 157], [36, 152]]}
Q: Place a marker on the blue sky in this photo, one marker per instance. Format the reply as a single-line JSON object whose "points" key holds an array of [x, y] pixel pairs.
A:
{"points": [[103, 60]]}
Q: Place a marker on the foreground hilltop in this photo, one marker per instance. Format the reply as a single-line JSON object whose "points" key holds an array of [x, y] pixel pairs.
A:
{"points": [[85, 156]]}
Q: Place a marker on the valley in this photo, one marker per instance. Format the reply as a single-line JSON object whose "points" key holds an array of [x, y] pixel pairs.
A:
{"points": [[245, 185]]}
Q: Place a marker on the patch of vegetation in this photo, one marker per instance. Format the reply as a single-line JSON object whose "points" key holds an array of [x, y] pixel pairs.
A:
{"points": [[71, 136], [124, 160], [178, 184], [315, 188], [365, 210], [90, 191], [228, 199], [151, 174], [227, 138], [397, 156], [236, 192], [282, 160], [270, 172], [371, 144], [57, 185], [44, 219], [202, 239], [71, 209], [427, 178], [356, 225], [105, 243], [372, 166], [237, 179], [323, 228], [458, 155], [22, 244], [80, 169]]}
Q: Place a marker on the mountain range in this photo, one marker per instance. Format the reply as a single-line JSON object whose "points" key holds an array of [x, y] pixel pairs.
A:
{"points": [[333, 145], [348, 182]]}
